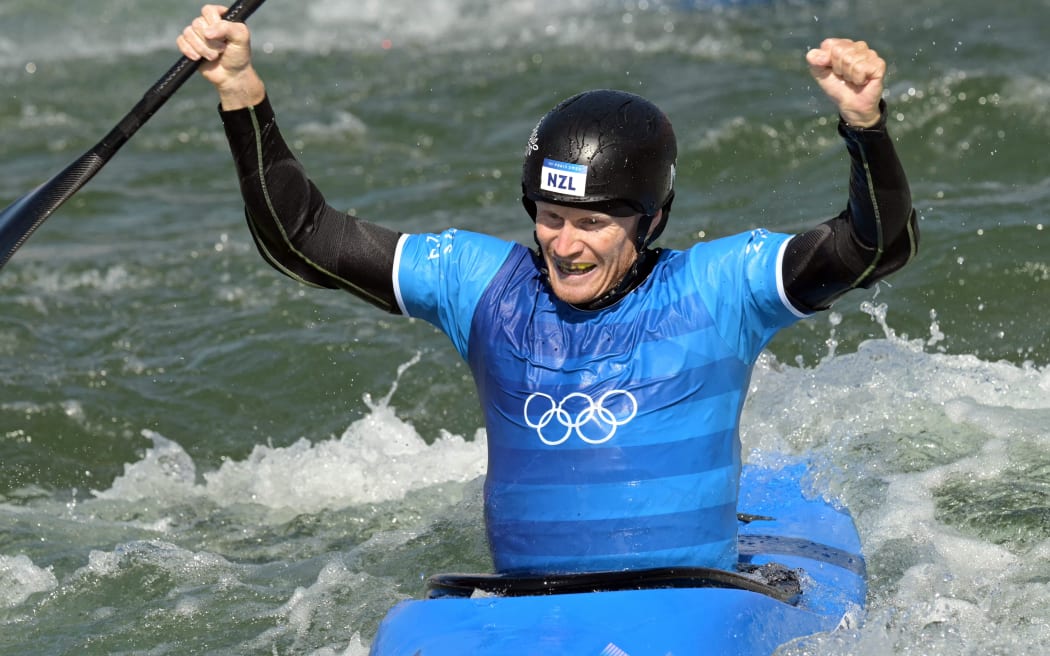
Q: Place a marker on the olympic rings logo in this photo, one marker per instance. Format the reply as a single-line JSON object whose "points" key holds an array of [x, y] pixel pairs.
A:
{"points": [[581, 414]]}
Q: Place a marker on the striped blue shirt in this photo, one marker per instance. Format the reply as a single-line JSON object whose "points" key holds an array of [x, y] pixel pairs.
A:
{"points": [[613, 434]]}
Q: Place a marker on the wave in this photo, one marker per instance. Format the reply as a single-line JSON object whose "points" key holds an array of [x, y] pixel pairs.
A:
{"points": [[905, 436]]}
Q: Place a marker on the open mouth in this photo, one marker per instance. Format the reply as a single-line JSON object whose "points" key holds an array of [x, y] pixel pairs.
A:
{"points": [[574, 268]]}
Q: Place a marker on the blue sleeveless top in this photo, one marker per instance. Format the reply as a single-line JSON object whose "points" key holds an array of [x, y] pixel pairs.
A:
{"points": [[612, 434]]}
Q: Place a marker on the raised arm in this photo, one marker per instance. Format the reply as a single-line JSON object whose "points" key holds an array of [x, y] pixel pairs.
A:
{"points": [[224, 50], [295, 229], [878, 231]]}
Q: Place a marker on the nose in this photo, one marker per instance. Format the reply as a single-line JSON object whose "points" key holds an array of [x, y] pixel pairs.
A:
{"points": [[566, 241]]}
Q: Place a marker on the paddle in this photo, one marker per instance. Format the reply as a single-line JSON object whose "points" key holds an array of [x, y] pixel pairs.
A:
{"points": [[21, 218]]}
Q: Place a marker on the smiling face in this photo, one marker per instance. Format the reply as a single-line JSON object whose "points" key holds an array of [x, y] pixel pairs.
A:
{"points": [[587, 252]]}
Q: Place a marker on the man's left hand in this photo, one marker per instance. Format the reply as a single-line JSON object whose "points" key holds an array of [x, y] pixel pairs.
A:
{"points": [[851, 74]]}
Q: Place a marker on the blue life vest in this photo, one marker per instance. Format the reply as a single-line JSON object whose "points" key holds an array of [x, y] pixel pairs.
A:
{"points": [[612, 434]]}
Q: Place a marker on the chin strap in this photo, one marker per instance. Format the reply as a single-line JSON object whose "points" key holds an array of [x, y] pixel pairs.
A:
{"points": [[642, 238], [639, 271]]}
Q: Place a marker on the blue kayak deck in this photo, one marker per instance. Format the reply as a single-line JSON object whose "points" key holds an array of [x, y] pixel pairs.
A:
{"points": [[785, 527]]}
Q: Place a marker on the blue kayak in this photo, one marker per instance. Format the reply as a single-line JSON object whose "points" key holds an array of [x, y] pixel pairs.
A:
{"points": [[801, 572]]}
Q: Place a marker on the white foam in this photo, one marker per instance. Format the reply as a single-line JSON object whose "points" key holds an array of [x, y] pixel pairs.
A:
{"points": [[899, 428], [166, 472], [189, 567], [867, 416], [378, 458], [20, 579], [325, 602]]}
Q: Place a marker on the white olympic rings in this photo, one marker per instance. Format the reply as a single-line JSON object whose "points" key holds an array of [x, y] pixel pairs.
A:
{"points": [[577, 410]]}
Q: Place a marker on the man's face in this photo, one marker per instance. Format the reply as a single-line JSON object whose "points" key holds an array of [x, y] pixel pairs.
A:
{"points": [[587, 252]]}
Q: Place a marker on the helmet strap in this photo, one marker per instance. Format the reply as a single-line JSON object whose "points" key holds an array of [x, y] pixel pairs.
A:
{"points": [[641, 237], [639, 271]]}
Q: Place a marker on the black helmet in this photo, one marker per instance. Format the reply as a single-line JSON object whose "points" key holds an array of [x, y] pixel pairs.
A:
{"points": [[603, 149]]}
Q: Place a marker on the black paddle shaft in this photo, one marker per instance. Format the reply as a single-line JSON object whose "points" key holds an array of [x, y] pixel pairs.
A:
{"points": [[21, 218]]}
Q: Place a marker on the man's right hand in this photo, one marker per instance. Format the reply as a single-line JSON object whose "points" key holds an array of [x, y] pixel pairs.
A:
{"points": [[224, 50]]}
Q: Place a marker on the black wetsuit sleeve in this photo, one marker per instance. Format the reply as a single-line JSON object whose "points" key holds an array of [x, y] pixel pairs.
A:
{"points": [[295, 230], [874, 236]]}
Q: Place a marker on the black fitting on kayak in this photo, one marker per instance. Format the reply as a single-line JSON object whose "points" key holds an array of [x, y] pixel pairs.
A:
{"points": [[771, 580]]}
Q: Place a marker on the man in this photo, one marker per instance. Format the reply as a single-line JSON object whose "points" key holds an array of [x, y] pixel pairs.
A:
{"points": [[611, 375]]}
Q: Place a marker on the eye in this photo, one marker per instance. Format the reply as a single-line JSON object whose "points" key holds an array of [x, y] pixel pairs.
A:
{"points": [[548, 220]]}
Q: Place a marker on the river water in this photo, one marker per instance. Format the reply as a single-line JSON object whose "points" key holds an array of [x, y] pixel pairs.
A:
{"points": [[202, 457]]}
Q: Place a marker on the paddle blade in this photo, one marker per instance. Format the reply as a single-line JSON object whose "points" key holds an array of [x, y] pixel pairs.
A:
{"points": [[25, 215]]}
